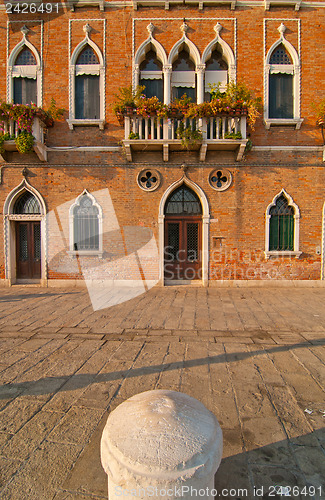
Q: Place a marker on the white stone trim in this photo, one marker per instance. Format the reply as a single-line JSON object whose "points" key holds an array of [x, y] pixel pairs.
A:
{"points": [[75, 69], [227, 50], [34, 71], [205, 226], [289, 253], [194, 53], [98, 252], [10, 233], [293, 69]]}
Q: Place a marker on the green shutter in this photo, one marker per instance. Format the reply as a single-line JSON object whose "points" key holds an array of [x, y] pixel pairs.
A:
{"points": [[274, 235]]}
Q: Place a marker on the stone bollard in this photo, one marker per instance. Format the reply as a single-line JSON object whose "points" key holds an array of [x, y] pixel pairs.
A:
{"points": [[161, 444]]}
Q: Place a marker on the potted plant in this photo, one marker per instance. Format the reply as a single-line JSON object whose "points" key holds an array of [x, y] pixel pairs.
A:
{"points": [[236, 100], [151, 106], [126, 101], [189, 137]]}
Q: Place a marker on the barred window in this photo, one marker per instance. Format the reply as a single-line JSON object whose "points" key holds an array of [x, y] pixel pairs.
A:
{"points": [[280, 56], [25, 58], [87, 56], [281, 226], [85, 225]]}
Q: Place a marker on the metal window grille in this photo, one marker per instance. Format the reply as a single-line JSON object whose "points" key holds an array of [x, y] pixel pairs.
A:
{"points": [[86, 225], [280, 56], [25, 58], [27, 204], [192, 241], [183, 201], [87, 56]]}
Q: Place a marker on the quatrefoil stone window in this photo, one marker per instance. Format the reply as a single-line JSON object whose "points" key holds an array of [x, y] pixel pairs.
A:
{"points": [[220, 179], [148, 179]]}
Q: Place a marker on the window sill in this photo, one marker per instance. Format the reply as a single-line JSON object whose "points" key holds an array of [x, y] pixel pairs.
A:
{"points": [[86, 253], [85, 123], [283, 122], [282, 253]]}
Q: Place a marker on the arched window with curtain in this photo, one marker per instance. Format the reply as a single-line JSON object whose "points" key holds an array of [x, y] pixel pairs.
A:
{"points": [[25, 77], [151, 75], [87, 85], [281, 225], [183, 76], [281, 88]]}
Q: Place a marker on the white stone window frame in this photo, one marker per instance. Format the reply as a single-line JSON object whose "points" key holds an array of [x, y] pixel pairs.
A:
{"points": [[140, 57], [167, 62], [296, 217], [195, 57], [227, 52], [72, 252], [290, 69], [26, 71], [90, 69]]}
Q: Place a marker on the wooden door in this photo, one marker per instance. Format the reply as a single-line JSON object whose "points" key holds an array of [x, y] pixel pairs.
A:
{"points": [[28, 250], [183, 248]]}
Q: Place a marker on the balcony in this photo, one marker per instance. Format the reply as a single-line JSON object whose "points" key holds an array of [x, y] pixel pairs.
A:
{"points": [[13, 129], [154, 134]]}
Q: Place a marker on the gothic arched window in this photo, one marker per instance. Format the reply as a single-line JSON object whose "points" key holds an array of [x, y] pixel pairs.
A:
{"points": [[281, 92], [87, 101], [151, 75], [86, 224], [25, 78]]}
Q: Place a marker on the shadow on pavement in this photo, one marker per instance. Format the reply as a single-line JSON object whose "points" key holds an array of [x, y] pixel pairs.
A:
{"points": [[76, 381]]}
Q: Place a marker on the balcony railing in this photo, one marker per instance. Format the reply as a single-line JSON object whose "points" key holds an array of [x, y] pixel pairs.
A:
{"points": [[219, 133], [13, 129]]}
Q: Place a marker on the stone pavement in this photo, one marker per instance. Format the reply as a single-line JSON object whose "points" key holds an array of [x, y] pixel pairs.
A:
{"points": [[253, 356]]}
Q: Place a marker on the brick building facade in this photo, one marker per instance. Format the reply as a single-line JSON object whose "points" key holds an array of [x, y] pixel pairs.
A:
{"points": [[99, 201]]}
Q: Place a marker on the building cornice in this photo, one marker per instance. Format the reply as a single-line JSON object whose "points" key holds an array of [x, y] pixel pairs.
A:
{"points": [[71, 5]]}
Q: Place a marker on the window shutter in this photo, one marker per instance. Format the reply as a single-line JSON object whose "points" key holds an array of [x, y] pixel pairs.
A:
{"points": [[287, 225], [274, 235]]}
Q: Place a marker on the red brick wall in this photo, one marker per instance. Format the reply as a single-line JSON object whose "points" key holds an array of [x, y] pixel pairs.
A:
{"points": [[240, 210]]}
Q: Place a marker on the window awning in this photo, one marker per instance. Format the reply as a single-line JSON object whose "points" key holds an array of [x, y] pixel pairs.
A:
{"points": [[215, 77], [87, 69], [183, 79]]}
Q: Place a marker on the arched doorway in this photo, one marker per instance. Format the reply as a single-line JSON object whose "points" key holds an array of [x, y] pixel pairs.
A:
{"points": [[183, 235], [28, 238], [25, 234]]}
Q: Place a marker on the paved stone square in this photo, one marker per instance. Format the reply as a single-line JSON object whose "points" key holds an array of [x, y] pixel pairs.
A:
{"points": [[253, 356]]}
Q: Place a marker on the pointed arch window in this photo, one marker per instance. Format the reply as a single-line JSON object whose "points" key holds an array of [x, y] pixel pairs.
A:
{"points": [[281, 84], [183, 76], [87, 83], [282, 227], [216, 72], [25, 77], [27, 204], [151, 75], [183, 201], [86, 225], [87, 101]]}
